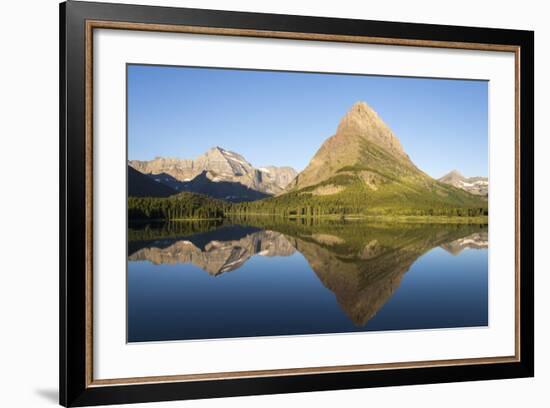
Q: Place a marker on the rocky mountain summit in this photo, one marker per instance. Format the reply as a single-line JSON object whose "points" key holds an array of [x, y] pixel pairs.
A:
{"points": [[219, 165], [361, 126], [474, 185], [362, 122]]}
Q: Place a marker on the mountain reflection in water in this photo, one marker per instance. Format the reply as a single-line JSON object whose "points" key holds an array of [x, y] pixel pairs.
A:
{"points": [[361, 265]]}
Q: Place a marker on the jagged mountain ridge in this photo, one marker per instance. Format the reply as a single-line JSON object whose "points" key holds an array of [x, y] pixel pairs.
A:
{"points": [[475, 185], [221, 165], [210, 184], [206, 183]]}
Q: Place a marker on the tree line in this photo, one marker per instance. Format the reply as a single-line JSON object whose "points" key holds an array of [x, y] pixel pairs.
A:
{"points": [[197, 206], [185, 205]]}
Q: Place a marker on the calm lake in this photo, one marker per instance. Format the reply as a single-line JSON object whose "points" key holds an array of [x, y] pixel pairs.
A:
{"points": [[204, 280]]}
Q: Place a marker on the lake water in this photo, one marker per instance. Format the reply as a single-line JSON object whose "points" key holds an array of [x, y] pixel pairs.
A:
{"points": [[267, 277]]}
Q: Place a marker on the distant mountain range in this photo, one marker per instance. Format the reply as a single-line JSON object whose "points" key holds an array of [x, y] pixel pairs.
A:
{"points": [[363, 166], [474, 185], [219, 173]]}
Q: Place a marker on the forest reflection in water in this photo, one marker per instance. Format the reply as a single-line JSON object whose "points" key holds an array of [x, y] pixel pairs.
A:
{"points": [[302, 277]]}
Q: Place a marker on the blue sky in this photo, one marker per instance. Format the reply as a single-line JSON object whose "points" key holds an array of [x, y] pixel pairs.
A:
{"points": [[282, 118]]}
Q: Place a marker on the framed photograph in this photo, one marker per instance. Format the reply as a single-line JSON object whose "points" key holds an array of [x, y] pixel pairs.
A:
{"points": [[256, 203]]}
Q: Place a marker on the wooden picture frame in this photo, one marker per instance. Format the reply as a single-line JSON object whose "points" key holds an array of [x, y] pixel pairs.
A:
{"points": [[78, 20]]}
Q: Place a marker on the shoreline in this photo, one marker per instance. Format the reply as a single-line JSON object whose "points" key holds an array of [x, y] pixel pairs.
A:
{"points": [[424, 219]]}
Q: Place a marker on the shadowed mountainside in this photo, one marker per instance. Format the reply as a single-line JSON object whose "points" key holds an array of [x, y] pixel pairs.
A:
{"points": [[140, 185], [205, 184]]}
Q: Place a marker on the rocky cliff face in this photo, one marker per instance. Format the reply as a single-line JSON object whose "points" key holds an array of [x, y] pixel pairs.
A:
{"points": [[222, 166], [362, 122], [277, 176], [474, 185], [360, 127]]}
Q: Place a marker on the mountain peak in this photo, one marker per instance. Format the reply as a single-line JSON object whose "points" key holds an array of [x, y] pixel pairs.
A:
{"points": [[362, 122], [474, 185], [361, 139], [215, 150], [361, 107], [359, 111], [452, 175], [224, 152]]}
